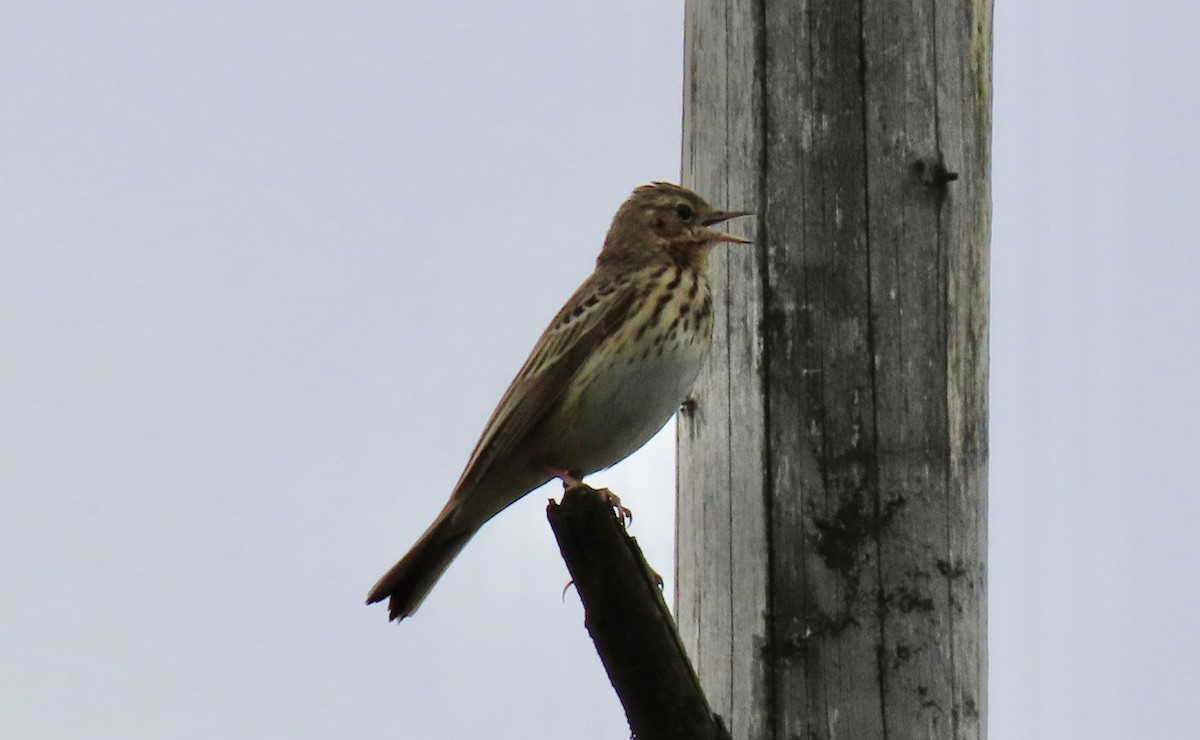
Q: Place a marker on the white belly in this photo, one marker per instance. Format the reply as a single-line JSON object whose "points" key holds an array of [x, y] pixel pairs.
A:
{"points": [[626, 404]]}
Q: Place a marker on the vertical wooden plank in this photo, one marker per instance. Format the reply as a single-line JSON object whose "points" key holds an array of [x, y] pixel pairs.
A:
{"points": [[828, 625], [705, 556], [795, 371], [851, 359], [830, 630], [725, 566], [750, 557], [908, 272], [964, 33]]}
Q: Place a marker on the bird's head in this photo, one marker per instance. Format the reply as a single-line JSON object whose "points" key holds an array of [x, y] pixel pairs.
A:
{"points": [[665, 220]]}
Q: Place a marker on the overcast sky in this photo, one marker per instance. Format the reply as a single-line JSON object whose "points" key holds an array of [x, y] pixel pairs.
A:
{"points": [[265, 268]]}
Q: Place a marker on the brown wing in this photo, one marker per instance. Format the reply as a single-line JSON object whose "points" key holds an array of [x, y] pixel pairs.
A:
{"points": [[590, 316]]}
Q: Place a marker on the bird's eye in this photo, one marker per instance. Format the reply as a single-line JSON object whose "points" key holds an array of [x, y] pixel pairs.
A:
{"points": [[684, 211]]}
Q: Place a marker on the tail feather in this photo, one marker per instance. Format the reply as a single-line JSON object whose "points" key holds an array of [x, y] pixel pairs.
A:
{"points": [[409, 581]]}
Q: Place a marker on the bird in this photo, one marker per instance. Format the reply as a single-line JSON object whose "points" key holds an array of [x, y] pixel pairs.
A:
{"points": [[605, 376]]}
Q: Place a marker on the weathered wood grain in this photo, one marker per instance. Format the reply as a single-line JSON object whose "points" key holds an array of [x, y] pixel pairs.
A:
{"points": [[832, 471], [726, 573]]}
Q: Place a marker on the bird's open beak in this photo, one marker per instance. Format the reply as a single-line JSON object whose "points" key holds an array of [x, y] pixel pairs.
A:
{"points": [[716, 218]]}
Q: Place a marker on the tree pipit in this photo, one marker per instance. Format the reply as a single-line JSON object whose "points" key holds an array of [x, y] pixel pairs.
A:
{"points": [[604, 377]]}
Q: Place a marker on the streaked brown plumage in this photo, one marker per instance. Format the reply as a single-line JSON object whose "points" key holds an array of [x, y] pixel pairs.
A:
{"points": [[604, 377]]}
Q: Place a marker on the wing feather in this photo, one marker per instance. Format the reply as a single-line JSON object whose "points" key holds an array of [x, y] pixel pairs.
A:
{"points": [[592, 315]]}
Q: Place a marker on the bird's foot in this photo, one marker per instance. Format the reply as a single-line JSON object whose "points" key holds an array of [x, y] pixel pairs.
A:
{"points": [[623, 512], [570, 480]]}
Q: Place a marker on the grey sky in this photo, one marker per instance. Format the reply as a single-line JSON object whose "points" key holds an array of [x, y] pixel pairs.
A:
{"points": [[265, 268]]}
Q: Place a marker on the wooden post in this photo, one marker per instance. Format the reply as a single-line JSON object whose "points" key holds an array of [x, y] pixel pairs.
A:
{"points": [[832, 470], [629, 623]]}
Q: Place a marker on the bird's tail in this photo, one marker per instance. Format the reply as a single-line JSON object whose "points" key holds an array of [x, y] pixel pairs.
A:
{"points": [[410, 580]]}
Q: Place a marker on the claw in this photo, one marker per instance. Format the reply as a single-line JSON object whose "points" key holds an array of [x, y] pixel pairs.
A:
{"points": [[570, 480], [623, 512], [570, 583]]}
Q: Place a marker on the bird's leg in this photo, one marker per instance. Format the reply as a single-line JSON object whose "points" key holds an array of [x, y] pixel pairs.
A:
{"points": [[570, 480]]}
